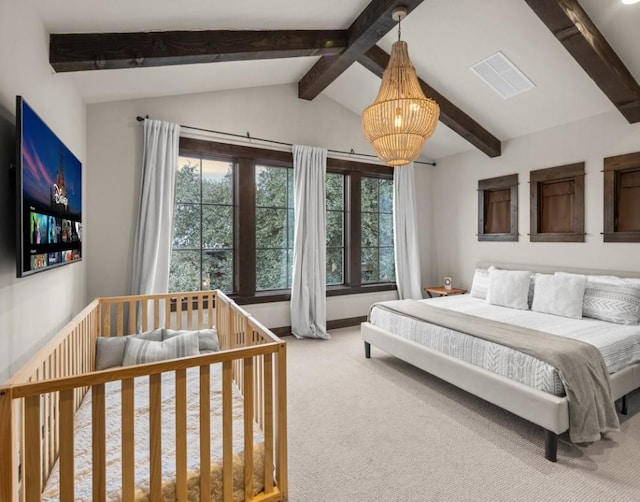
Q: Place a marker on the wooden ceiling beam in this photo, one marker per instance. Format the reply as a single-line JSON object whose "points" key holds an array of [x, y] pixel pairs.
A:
{"points": [[377, 59], [573, 27], [373, 23], [97, 51]]}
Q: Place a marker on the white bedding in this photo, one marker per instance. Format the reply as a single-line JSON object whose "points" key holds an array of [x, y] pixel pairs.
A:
{"points": [[619, 344], [113, 442]]}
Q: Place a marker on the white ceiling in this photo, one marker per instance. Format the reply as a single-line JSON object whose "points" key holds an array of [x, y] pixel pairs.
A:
{"points": [[445, 37]]}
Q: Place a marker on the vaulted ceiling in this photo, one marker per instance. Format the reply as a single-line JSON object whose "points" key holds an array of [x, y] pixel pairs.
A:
{"points": [[581, 55]]}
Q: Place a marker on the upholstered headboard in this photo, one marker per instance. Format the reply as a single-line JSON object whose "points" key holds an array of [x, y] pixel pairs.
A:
{"points": [[549, 269]]}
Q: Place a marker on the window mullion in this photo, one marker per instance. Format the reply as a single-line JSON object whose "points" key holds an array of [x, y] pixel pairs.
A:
{"points": [[201, 283], [245, 228], [353, 235]]}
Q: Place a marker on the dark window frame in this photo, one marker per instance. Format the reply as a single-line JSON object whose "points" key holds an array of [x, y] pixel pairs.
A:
{"points": [[378, 214], [486, 186], [245, 159], [573, 173], [614, 169], [200, 204]]}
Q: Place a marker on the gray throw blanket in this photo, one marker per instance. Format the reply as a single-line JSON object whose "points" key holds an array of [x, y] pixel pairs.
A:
{"points": [[580, 365]]}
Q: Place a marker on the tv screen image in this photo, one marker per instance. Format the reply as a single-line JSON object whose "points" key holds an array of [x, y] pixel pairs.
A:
{"points": [[49, 196]]}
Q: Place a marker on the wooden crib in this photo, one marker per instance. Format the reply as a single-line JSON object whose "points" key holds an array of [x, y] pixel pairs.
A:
{"points": [[37, 406]]}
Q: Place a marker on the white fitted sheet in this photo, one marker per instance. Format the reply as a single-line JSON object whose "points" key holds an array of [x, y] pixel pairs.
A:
{"points": [[619, 344]]}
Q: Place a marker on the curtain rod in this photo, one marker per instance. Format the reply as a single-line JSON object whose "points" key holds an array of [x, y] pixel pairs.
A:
{"points": [[275, 142]]}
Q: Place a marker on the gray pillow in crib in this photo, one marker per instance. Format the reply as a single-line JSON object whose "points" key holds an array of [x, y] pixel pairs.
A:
{"points": [[145, 351], [207, 338], [110, 350]]}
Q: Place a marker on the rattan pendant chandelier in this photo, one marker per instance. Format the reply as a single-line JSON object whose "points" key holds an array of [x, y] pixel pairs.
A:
{"points": [[401, 118]]}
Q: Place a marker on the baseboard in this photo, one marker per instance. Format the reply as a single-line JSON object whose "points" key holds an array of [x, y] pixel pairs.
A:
{"points": [[333, 324]]}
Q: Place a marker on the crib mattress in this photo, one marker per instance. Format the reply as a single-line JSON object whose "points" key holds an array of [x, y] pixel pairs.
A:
{"points": [[82, 443], [619, 344]]}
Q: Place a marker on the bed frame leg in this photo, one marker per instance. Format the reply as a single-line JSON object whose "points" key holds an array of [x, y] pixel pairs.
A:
{"points": [[367, 350], [623, 405], [550, 445]]}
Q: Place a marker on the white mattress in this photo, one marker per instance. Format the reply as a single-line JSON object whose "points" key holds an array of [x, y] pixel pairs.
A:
{"points": [[619, 344], [82, 446]]}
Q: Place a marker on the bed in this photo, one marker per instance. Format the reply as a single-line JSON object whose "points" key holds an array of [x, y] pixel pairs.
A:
{"points": [[211, 426], [519, 383]]}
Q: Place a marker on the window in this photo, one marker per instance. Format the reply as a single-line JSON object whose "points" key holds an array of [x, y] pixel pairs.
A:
{"points": [[622, 198], [498, 209], [202, 255], [377, 230], [557, 204], [335, 228], [234, 223], [274, 227]]}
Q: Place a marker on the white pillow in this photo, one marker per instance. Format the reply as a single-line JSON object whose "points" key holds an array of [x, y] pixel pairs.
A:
{"points": [[559, 294], [145, 351], [480, 283], [509, 288]]}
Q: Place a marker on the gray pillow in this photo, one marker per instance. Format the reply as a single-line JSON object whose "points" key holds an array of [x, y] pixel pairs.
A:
{"points": [[139, 351], [207, 338], [110, 350], [611, 299]]}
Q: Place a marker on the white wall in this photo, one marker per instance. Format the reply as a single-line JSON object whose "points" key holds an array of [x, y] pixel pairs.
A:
{"points": [[114, 144], [453, 228], [32, 309]]}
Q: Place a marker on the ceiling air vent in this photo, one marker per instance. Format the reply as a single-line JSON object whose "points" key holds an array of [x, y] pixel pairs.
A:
{"points": [[502, 75]]}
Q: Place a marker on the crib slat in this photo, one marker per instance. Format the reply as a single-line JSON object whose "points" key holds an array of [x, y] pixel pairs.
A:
{"points": [[248, 428], [200, 313], [119, 319], [67, 411], [205, 433], [179, 313], [99, 474], [156, 313], [128, 441], [32, 442], [167, 312], [106, 330], [189, 313], [281, 434], [268, 423], [155, 436], [144, 307], [132, 317], [227, 432], [181, 435]]}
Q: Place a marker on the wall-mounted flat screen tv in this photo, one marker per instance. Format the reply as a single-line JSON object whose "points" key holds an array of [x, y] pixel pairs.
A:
{"points": [[48, 196]]}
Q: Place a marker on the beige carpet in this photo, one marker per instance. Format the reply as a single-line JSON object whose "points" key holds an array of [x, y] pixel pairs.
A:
{"points": [[382, 430]]}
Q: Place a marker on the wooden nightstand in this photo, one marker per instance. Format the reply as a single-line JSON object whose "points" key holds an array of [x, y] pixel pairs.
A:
{"points": [[440, 290]]}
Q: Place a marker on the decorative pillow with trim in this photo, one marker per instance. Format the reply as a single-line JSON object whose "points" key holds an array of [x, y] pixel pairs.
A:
{"points": [[612, 299]]}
